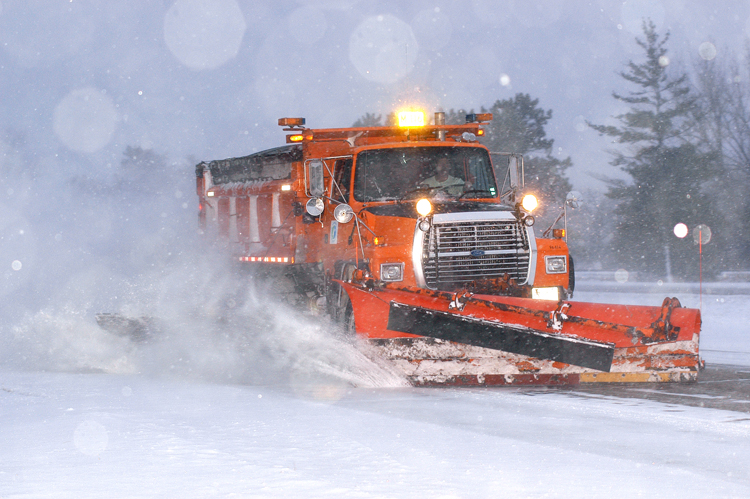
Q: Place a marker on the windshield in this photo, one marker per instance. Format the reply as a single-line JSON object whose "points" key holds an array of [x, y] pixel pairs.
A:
{"points": [[437, 172]]}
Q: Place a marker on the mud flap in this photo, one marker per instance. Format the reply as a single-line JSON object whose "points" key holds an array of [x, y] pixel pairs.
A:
{"points": [[498, 336]]}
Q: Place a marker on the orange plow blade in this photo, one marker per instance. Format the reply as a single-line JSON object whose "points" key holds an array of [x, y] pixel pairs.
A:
{"points": [[438, 338]]}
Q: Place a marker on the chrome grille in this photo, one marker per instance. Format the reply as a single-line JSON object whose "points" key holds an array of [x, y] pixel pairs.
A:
{"points": [[454, 253]]}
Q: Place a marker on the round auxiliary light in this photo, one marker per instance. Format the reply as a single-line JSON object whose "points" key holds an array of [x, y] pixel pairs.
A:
{"points": [[424, 207], [343, 213], [424, 225], [314, 206], [529, 202], [528, 220]]}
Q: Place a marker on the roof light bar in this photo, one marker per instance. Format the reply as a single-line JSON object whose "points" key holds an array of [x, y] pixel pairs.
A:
{"points": [[478, 118], [291, 121], [410, 118]]}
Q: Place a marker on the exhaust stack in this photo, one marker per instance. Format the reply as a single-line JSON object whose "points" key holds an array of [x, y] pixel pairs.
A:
{"points": [[440, 120]]}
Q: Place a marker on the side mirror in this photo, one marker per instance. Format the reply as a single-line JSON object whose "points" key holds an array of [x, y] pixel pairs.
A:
{"points": [[315, 178], [343, 213], [314, 207], [573, 199], [515, 173]]}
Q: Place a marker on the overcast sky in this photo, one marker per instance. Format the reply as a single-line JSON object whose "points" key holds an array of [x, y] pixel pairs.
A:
{"points": [[81, 79]]}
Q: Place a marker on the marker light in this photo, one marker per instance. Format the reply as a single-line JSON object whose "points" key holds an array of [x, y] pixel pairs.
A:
{"points": [[480, 117], [267, 259], [294, 138], [286, 187], [424, 207], [410, 118], [291, 121], [210, 194], [529, 202]]}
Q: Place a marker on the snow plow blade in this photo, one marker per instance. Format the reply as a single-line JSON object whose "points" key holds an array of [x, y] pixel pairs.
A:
{"points": [[439, 338]]}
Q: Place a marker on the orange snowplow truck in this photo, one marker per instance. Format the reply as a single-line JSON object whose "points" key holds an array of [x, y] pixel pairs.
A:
{"points": [[421, 240]]}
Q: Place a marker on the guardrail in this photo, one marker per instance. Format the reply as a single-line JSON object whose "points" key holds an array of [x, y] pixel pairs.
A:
{"points": [[707, 288]]}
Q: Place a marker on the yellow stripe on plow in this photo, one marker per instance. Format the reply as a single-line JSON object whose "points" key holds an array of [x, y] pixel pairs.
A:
{"points": [[652, 377]]}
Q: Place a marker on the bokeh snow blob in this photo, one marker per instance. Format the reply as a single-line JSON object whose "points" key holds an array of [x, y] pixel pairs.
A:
{"points": [[85, 120], [621, 275], [707, 51], [702, 234], [204, 34], [383, 49]]}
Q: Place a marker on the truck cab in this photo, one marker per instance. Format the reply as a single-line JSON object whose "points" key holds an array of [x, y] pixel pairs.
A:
{"points": [[423, 205]]}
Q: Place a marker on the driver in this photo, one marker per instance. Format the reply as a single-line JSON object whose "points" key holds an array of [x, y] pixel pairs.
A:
{"points": [[443, 180]]}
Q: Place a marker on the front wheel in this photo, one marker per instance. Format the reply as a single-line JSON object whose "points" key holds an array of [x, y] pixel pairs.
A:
{"points": [[348, 322], [339, 306], [571, 277]]}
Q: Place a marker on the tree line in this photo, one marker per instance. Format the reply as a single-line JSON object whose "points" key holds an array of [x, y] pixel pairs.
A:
{"points": [[684, 147]]}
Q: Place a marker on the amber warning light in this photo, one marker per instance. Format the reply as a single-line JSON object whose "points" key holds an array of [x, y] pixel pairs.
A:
{"points": [[410, 118], [479, 118], [291, 121]]}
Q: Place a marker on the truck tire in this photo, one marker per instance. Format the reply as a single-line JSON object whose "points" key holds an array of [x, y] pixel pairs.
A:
{"points": [[349, 325], [571, 277], [338, 304]]}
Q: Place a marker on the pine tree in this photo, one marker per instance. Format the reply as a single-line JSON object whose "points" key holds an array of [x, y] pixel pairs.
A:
{"points": [[518, 126], [369, 119], [372, 119], [666, 170]]}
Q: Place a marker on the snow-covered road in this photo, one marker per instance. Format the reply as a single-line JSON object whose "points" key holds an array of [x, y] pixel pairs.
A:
{"points": [[99, 435], [167, 433]]}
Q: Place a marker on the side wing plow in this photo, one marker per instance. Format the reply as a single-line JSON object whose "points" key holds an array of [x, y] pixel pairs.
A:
{"points": [[438, 338]]}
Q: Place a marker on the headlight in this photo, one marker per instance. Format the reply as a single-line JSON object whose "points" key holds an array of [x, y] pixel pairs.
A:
{"points": [[529, 202], [392, 272], [424, 207], [556, 264], [545, 294]]}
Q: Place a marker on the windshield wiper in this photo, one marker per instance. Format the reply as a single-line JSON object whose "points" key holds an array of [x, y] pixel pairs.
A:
{"points": [[474, 191], [416, 190]]}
